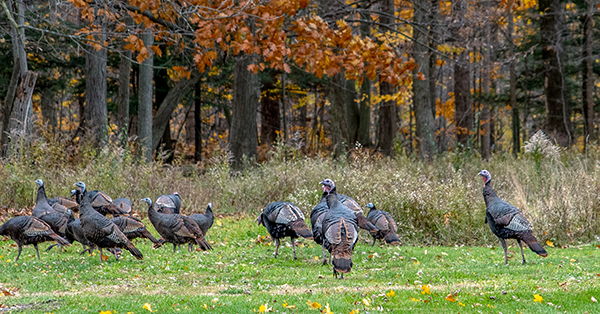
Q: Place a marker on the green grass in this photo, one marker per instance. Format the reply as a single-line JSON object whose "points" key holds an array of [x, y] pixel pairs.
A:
{"points": [[240, 275]]}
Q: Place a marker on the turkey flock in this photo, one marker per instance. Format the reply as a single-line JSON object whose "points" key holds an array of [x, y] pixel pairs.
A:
{"points": [[335, 223]]}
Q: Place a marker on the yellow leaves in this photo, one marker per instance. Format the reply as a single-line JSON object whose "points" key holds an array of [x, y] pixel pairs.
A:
{"points": [[425, 289], [355, 311], [148, 307], [450, 298], [366, 302], [264, 308], [446, 48], [287, 306], [415, 300], [391, 293], [313, 305], [205, 306], [461, 304], [327, 310], [97, 47], [550, 243], [156, 50], [106, 312], [537, 298]]}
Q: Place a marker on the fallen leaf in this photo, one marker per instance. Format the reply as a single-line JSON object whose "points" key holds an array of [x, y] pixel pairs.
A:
{"points": [[461, 304], [550, 243], [313, 305], [205, 306], [425, 289], [415, 300], [355, 311], [391, 293], [450, 298], [148, 307], [327, 310], [537, 298], [366, 302], [287, 306], [105, 312]]}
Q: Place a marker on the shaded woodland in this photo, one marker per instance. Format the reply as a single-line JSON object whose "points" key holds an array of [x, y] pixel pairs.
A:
{"points": [[194, 78]]}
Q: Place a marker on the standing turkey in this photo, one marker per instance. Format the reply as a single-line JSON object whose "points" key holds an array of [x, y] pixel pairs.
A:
{"points": [[204, 221], [56, 220], [506, 221], [29, 230], [316, 221], [101, 231], [386, 225], [175, 228], [168, 203], [340, 233], [284, 219]]}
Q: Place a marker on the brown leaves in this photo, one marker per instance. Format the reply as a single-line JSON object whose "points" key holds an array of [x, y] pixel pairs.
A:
{"points": [[8, 292]]}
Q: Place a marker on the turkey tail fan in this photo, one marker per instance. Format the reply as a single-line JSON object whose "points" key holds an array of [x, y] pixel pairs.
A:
{"points": [[203, 244], [134, 251], [392, 239], [342, 262], [533, 244], [301, 229]]}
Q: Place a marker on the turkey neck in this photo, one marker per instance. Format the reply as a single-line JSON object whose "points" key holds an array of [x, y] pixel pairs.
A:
{"points": [[489, 195], [332, 198], [153, 215], [41, 195]]}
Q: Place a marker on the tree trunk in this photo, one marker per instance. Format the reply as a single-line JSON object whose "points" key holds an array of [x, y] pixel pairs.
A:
{"points": [[587, 69], [339, 126], [388, 115], [123, 96], [486, 116], [169, 104], [463, 113], [352, 112], [421, 94], [48, 106], [146, 99], [198, 123], [96, 112], [434, 40], [243, 137], [364, 126], [19, 125], [15, 11], [270, 116], [516, 128], [558, 124]]}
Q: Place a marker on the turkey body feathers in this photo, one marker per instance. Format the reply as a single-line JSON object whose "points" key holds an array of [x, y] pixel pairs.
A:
{"points": [[133, 228], [284, 219], [340, 233], [507, 222], [26, 230], [204, 221], [386, 225], [103, 232], [177, 229]]}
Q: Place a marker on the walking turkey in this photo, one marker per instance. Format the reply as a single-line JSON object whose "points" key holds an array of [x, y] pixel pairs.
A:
{"points": [[100, 201], [26, 230], [175, 228], [507, 222], [340, 233], [383, 221], [204, 221], [134, 228], [101, 231], [168, 203], [124, 205], [284, 219], [56, 220]]}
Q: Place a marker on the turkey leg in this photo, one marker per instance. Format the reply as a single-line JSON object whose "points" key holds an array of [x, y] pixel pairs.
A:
{"points": [[276, 247], [522, 254], [36, 250], [504, 247], [294, 248], [20, 249]]}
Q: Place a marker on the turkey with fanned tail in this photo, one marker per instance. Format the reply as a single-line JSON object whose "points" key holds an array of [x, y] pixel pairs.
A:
{"points": [[284, 219], [507, 222]]}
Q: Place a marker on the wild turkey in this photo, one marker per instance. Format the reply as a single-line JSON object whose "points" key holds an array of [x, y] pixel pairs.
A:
{"points": [[60, 202], [204, 221], [506, 221], [100, 201], [352, 205], [386, 225], [133, 228], [75, 233], [340, 233], [284, 219], [29, 230], [175, 228], [124, 204], [168, 203], [101, 231], [56, 220]]}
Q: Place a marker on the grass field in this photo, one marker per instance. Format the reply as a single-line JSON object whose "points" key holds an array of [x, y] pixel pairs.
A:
{"points": [[240, 276]]}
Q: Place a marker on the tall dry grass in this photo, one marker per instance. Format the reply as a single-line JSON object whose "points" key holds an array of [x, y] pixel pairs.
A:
{"points": [[433, 203]]}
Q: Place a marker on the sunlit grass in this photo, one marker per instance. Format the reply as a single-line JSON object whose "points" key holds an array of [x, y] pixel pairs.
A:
{"points": [[240, 275]]}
